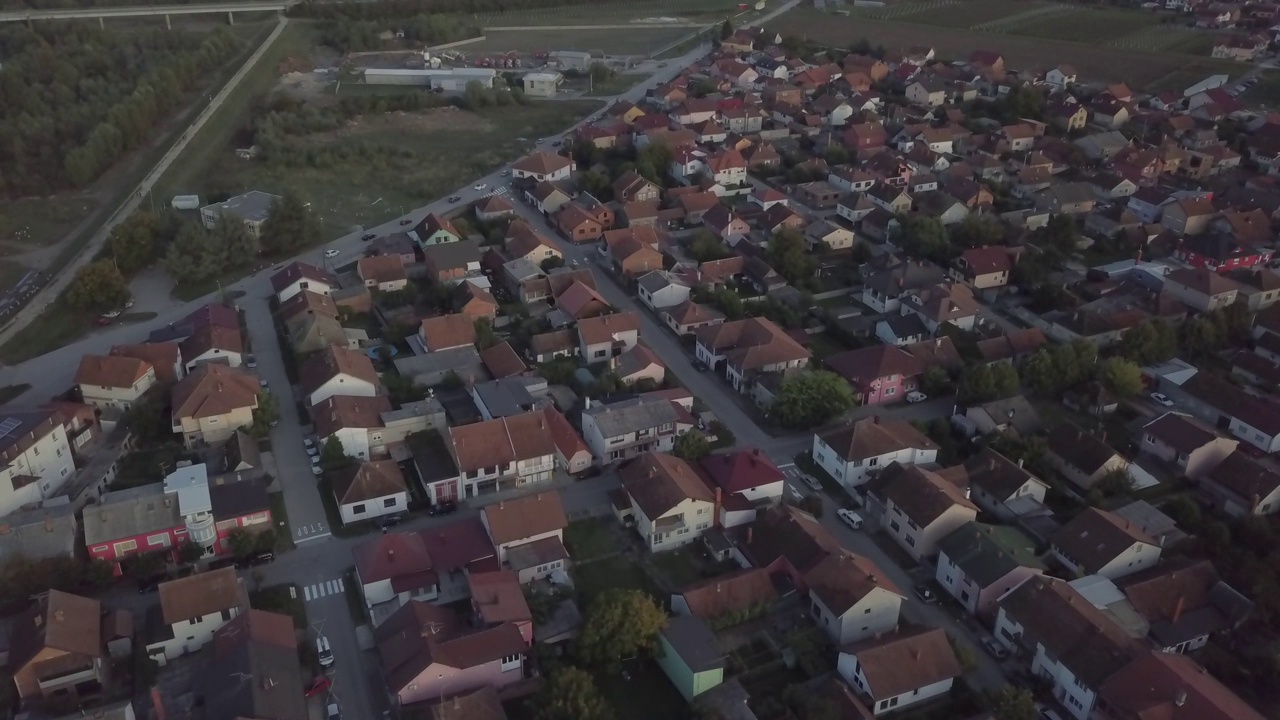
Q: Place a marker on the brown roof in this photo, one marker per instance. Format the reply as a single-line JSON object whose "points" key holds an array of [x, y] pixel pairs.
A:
{"points": [[501, 441], [580, 300], [390, 556], [1169, 686], [332, 362], [433, 223], [381, 268], [751, 343], [1169, 589], [873, 437], [1181, 432], [482, 704], [419, 635], [502, 361], [162, 356], [734, 592], [997, 474], [530, 435], [212, 337], [524, 517], [497, 597], [526, 241], [1203, 280], [1072, 630], [906, 660], [542, 163], [865, 365], [789, 532], [1246, 477], [112, 371], [214, 389], [308, 301], [923, 495], [658, 482], [567, 440], [448, 331], [298, 271], [842, 579], [368, 481], [1079, 448], [551, 342], [690, 312], [61, 621], [1096, 537], [604, 328], [348, 411], [202, 594]]}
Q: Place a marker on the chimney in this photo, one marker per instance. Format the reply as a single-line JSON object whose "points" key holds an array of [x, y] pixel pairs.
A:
{"points": [[1177, 609], [1181, 698], [715, 511], [1020, 461], [391, 554], [158, 704], [48, 524], [750, 532]]}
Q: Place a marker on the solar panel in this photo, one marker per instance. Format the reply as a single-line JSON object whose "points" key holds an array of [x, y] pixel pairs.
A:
{"points": [[8, 425]]}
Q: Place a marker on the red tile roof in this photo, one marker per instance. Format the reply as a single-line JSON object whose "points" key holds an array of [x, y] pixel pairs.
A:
{"points": [[742, 469]]}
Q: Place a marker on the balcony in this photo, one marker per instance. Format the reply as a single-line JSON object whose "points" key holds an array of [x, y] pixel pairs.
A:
{"points": [[53, 682], [202, 529]]}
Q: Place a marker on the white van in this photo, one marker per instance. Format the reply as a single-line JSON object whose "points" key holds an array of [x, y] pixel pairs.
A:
{"points": [[850, 518], [323, 651]]}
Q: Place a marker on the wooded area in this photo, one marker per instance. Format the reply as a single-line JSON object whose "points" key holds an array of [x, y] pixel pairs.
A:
{"points": [[77, 99]]}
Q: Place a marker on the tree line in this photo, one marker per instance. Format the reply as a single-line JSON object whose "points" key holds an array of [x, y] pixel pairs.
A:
{"points": [[410, 8], [76, 99]]}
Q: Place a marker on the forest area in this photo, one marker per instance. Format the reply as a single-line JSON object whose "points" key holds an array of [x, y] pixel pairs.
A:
{"points": [[77, 98]]}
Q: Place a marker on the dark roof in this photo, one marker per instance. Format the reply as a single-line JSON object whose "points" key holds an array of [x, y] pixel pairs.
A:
{"points": [[296, 271], [790, 533], [1246, 477], [997, 474], [864, 365], [906, 660], [255, 670], [1168, 686], [737, 591], [842, 579], [237, 499], [873, 437], [988, 553], [1096, 537], [419, 635], [1079, 448], [1181, 432], [658, 482], [694, 642], [923, 495]]}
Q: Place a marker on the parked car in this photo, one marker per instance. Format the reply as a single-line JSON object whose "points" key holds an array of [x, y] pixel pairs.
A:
{"points": [[323, 652], [443, 508], [850, 518], [479, 186], [367, 237], [310, 445], [455, 198], [315, 466], [333, 713], [1044, 712], [262, 382], [925, 593], [318, 686], [331, 253], [261, 558], [992, 646], [250, 362], [916, 396], [811, 481], [407, 221], [389, 521], [1161, 399], [506, 173]]}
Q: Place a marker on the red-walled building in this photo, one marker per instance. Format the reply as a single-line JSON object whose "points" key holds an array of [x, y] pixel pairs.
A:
{"points": [[1221, 253]]}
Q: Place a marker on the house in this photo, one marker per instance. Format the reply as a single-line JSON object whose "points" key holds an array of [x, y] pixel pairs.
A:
{"points": [[427, 652], [660, 289], [943, 304], [549, 346], [1081, 457], [446, 332], [213, 344], [1170, 686], [726, 596], [631, 187], [687, 317], [1069, 642], [1222, 253], [1003, 488], [726, 224], [113, 382], [1098, 542], [979, 563], [930, 92], [632, 251], [474, 302], [55, 648], [1012, 347], [452, 262], [1240, 485], [853, 453], [542, 167], [572, 454], [259, 645], [383, 272], [851, 598], [497, 598], [481, 704], [579, 224], [251, 208], [494, 208], [1060, 77], [397, 568], [878, 374], [827, 236], [742, 349], [212, 403], [355, 421], [884, 289], [502, 361], [920, 507], [984, 268], [517, 449], [529, 528], [368, 490], [638, 363], [743, 480], [1185, 601], [41, 533], [606, 336], [1014, 416], [164, 357], [337, 371], [690, 656], [1188, 216], [627, 428], [299, 276], [1201, 288], [1186, 443], [191, 610], [37, 457], [901, 669], [548, 197], [663, 496]]}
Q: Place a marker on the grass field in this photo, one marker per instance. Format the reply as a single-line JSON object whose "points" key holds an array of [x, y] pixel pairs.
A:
{"points": [[610, 12], [1092, 61], [1266, 93], [641, 41]]}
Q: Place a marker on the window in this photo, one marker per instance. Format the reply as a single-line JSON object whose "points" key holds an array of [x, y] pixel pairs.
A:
{"points": [[893, 525], [357, 509], [911, 541], [867, 611], [126, 546], [160, 540], [389, 502], [702, 511], [856, 463], [891, 391]]}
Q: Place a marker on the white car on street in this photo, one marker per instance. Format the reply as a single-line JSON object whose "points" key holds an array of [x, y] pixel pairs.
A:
{"points": [[850, 518], [811, 481], [1162, 399], [916, 396], [479, 186], [310, 445], [331, 253]]}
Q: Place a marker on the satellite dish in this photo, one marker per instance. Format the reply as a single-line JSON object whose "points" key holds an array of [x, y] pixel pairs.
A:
{"points": [[760, 5]]}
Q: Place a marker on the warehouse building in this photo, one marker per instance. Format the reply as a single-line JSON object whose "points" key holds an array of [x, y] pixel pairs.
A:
{"points": [[542, 84], [444, 79]]}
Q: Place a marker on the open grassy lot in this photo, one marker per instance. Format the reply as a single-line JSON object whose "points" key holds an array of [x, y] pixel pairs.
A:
{"points": [[35, 222], [1138, 68], [1087, 25], [639, 41], [605, 13], [1266, 93]]}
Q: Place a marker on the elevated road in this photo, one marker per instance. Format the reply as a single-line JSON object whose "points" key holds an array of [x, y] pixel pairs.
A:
{"points": [[144, 11]]}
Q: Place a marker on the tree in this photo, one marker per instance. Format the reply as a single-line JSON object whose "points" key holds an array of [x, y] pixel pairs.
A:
{"points": [[935, 381], [977, 231], [98, 287], [726, 30], [243, 543], [596, 183], [189, 552], [692, 446], [133, 242], [1200, 336], [983, 383], [265, 415], [1015, 703], [571, 694], [1113, 483], [706, 247], [787, 255], [619, 624], [475, 95], [333, 455], [551, 263], [811, 398], [923, 236], [1122, 377], [290, 224], [600, 72], [485, 336], [724, 436]]}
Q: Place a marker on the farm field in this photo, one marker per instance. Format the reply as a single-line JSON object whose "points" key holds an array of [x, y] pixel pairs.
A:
{"points": [[604, 42], [1136, 67], [606, 13]]}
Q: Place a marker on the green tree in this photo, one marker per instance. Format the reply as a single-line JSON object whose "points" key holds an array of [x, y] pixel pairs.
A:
{"points": [[596, 183], [811, 398], [977, 231], [243, 543], [232, 238], [571, 694], [290, 225], [1014, 703], [983, 383], [485, 336], [788, 255], [265, 415], [923, 236], [935, 381], [1151, 342], [132, 243], [1122, 377], [600, 72], [189, 552], [619, 624], [98, 287], [726, 30], [706, 247], [1200, 336], [692, 446], [476, 96], [333, 455], [724, 436], [551, 263]]}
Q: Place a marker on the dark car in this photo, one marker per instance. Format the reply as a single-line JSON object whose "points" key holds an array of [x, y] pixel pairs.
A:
{"points": [[443, 508], [925, 593], [368, 236], [455, 198], [406, 221], [150, 584], [256, 559], [390, 521]]}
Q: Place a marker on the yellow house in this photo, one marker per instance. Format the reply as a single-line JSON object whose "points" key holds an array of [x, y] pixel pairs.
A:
{"points": [[212, 403]]}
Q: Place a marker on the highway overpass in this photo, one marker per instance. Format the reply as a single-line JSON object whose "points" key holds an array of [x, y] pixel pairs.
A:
{"points": [[102, 13]]}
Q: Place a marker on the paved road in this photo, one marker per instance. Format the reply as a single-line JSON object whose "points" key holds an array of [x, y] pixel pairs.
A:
{"points": [[145, 10], [60, 281]]}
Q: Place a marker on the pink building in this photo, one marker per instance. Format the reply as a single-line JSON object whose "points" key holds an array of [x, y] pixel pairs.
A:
{"points": [[879, 374]]}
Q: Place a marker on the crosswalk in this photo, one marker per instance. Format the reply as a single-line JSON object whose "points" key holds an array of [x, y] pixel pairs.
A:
{"points": [[322, 589], [500, 191]]}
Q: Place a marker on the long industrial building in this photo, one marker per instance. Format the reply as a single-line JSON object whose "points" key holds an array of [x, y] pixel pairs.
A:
{"points": [[446, 79]]}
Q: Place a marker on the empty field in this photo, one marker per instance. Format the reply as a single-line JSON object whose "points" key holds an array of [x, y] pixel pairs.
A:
{"points": [[1093, 62], [604, 42], [610, 13], [1086, 25]]}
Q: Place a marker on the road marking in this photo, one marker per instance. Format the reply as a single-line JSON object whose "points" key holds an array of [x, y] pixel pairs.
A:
{"points": [[309, 538], [324, 588]]}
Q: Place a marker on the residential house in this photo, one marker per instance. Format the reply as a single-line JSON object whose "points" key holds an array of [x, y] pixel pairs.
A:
{"points": [[667, 501], [572, 454], [726, 224], [638, 363], [1014, 416], [1191, 447], [1201, 288], [542, 167], [632, 252], [1069, 642], [299, 276], [929, 92], [452, 262], [884, 289], [660, 289], [355, 421], [891, 198], [212, 403], [337, 371], [1012, 347], [1098, 542], [984, 268], [259, 645], [1184, 602], [850, 597], [606, 336], [497, 598], [446, 332], [878, 374], [1222, 253], [688, 317], [213, 344], [627, 428], [901, 669], [1188, 216], [690, 656], [744, 348], [369, 490], [191, 610], [854, 453], [744, 480], [1240, 486], [474, 302], [48, 531], [999, 486], [164, 357], [978, 564], [1171, 686], [548, 197], [529, 529], [920, 507], [518, 449], [943, 304], [1082, 457], [383, 272], [494, 208], [827, 236], [739, 592], [251, 208], [631, 187], [113, 382], [55, 648]]}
